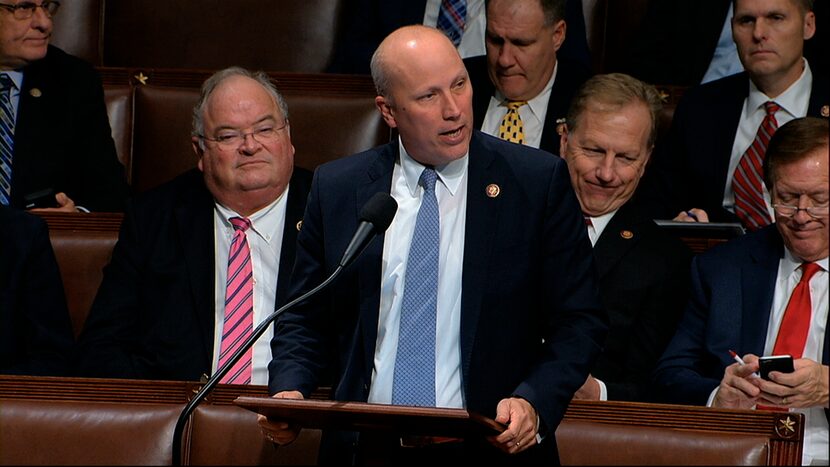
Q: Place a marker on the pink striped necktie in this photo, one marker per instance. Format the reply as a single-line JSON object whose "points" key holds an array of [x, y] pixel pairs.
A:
{"points": [[239, 305], [747, 182]]}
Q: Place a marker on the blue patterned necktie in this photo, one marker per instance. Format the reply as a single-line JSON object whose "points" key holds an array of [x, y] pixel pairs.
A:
{"points": [[414, 381], [452, 19], [6, 139]]}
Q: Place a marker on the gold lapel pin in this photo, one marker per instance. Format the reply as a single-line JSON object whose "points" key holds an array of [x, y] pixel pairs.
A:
{"points": [[627, 234], [825, 111], [492, 190], [35, 92], [299, 225]]}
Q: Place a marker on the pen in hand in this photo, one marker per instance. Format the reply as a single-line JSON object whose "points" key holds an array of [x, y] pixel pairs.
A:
{"points": [[693, 216], [738, 359]]}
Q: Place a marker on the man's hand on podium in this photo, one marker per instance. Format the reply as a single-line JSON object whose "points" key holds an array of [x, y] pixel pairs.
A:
{"points": [[277, 431], [522, 425]]}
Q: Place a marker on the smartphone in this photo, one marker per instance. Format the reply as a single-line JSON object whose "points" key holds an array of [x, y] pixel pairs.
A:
{"points": [[41, 199], [782, 363]]}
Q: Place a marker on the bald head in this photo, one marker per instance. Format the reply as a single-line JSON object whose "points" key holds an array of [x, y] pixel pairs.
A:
{"points": [[401, 46], [424, 92]]}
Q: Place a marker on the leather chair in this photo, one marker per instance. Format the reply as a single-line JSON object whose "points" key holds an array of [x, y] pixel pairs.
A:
{"points": [[324, 126], [77, 29], [37, 432], [274, 35], [119, 100], [578, 443]]}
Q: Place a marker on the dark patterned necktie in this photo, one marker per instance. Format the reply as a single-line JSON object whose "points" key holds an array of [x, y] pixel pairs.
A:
{"points": [[6, 139], [747, 182], [452, 19]]}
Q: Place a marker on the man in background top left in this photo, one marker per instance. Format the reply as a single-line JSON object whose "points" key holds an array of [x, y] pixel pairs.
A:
{"points": [[56, 146], [205, 257]]}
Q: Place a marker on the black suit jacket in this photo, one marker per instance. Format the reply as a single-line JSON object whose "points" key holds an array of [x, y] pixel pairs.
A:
{"points": [[569, 78], [644, 283], [689, 169], [153, 316], [368, 22], [531, 322], [35, 330], [62, 136]]}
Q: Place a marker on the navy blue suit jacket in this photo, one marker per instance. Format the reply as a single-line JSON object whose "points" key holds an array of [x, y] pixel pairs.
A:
{"points": [[569, 77], [731, 298], [644, 285], [531, 321], [153, 316], [689, 168], [62, 136], [35, 330]]}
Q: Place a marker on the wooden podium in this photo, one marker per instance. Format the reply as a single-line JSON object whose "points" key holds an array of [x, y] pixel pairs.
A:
{"points": [[361, 416]]}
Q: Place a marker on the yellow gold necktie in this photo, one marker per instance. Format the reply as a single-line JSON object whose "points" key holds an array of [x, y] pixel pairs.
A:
{"points": [[511, 128]]}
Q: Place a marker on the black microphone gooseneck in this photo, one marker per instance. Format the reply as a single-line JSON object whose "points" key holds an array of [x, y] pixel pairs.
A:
{"points": [[375, 218]]}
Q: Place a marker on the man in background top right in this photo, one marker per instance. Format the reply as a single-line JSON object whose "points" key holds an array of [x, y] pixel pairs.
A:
{"points": [[765, 293], [709, 167]]}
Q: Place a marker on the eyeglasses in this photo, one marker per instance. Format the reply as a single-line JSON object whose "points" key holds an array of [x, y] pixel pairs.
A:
{"points": [[790, 211], [230, 139], [25, 10]]}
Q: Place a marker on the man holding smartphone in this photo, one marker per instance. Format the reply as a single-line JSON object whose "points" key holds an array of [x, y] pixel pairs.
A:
{"points": [[746, 295]]}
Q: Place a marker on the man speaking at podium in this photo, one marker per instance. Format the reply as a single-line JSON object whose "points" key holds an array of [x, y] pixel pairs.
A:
{"points": [[481, 295]]}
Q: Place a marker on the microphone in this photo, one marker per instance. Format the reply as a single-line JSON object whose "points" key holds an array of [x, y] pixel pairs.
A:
{"points": [[375, 217]]}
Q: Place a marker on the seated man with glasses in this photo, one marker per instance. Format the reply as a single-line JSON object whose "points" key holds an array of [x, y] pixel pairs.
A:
{"points": [[203, 259], [765, 293], [56, 146]]}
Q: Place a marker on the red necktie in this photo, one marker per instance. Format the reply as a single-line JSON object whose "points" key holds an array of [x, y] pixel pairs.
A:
{"points": [[792, 335], [239, 305], [747, 182]]}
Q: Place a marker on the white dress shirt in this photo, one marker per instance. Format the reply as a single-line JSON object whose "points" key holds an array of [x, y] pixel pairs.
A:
{"points": [[789, 273], [265, 242], [533, 114], [451, 192]]}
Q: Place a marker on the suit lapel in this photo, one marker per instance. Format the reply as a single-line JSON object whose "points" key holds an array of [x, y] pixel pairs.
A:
{"points": [[194, 220], [378, 179], [621, 234], [294, 210], [757, 288], [482, 215], [725, 126]]}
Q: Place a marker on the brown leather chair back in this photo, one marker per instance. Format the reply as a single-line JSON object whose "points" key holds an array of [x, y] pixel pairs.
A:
{"points": [[276, 35], [86, 433], [229, 435], [81, 257], [323, 127], [77, 29], [161, 135], [119, 100], [578, 443]]}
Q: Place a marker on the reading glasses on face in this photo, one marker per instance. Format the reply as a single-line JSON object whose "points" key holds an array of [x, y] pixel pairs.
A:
{"points": [[228, 139], [26, 10], [790, 211]]}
